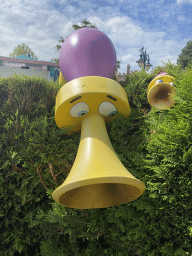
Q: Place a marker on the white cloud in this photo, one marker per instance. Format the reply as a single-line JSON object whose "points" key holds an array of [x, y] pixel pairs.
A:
{"points": [[184, 1], [128, 57], [66, 29], [36, 25]]}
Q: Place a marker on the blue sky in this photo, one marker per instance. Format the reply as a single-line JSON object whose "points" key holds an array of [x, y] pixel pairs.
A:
{"points": [[163, 27]]}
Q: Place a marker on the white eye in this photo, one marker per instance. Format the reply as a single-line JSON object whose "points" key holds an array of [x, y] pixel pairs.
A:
{"points": [[172, 83], [107, 109], [80, 109], [159, 81]]}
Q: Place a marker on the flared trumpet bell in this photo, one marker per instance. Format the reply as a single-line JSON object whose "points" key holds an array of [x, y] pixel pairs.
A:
{"points": [[160, 92], [97, 179]]}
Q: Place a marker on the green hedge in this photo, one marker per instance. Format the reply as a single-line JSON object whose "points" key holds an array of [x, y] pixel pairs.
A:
{"points": [[36, 157]]}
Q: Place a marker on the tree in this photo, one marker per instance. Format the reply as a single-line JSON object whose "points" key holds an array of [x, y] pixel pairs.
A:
{"points": [[22, 49], [185, 58], [118, 64], [84, 24]]}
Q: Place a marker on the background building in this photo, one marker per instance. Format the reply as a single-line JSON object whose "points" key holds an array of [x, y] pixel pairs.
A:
{"points": [[25, 65], [121, 77]]}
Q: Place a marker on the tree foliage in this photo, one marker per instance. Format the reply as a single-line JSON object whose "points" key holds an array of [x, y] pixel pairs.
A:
{"points": [[36, 157], [22, 49], [185, 58]]}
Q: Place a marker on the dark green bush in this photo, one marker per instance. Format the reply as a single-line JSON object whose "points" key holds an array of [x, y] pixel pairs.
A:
{"points": [[36, 157]]}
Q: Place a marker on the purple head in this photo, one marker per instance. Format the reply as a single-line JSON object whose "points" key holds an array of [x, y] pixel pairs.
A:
{"points": [[162, 74], [87, 52]]}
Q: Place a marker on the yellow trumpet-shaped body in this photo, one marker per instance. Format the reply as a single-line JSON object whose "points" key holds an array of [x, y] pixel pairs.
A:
{"points": [[97, 179], [159, 95]]}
